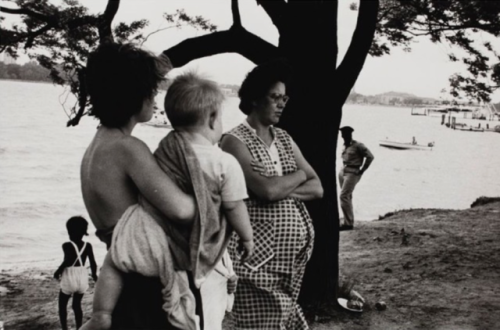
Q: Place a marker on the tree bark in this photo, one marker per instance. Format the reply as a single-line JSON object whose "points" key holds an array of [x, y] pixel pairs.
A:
{"points": [[276, 10], [312, 122], [235, 40], [104, 26], [236, 14], [357, 52], [313, 118]]}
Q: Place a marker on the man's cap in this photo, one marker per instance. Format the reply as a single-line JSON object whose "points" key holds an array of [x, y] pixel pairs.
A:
{"points": [[347, 129]]}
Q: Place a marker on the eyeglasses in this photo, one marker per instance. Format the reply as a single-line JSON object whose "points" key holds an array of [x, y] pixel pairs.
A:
{"points": [[279, 97]]}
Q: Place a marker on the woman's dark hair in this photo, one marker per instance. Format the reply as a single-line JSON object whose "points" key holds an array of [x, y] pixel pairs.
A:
{"points": [[77, 226], [259, 81], [119, 78]]}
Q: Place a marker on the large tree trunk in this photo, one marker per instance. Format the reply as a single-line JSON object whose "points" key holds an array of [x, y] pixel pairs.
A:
{"points": [[312, 118], [314, 114]]}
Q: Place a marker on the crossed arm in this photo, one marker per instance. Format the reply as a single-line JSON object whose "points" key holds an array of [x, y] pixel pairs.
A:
{"points": [[303, 184]]}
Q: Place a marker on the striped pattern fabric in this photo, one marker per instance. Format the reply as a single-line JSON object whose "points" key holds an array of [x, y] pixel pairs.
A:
{"points": [[269, 285]]}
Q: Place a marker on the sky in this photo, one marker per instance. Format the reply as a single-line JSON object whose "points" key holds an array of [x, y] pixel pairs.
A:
{"points": [[424, 71]]}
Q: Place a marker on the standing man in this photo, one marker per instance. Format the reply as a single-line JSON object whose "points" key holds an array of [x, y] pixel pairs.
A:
{"points": [[357, 158]]}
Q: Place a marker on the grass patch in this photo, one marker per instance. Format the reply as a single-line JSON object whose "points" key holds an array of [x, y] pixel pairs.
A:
{"points": [[396, 212], [483, 200]]}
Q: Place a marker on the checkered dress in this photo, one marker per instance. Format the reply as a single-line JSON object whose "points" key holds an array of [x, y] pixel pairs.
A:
{"points": [[266, 297]]}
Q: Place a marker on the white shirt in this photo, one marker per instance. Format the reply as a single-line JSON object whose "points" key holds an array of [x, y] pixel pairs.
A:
{"points": [[223, 167]]}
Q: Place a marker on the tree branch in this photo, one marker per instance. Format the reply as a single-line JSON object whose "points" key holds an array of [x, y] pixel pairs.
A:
{"points": [[29, 12], [32, 35], [361, 42], [275, 9], [111, 10], [440, 22], [82, 99], [238, 41], [105, 32], [236, 14], [9, 38], [159, 30], [385, 13], [445, 27]]}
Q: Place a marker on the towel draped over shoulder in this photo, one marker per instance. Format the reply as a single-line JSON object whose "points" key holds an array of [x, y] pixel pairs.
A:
{"points": [[200, 246]]}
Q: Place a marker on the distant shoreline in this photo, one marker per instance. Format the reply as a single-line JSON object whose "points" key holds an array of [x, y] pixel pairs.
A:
{"points": [[380, 105], [28, 81]]}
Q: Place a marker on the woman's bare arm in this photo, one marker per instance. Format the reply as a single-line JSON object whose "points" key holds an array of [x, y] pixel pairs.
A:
{"points": [[312, 188], [154, 184], [267, 188]]}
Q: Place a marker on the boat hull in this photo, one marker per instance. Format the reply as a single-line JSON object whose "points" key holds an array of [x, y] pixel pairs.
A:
{"points": [[403, 146], [469, 129], [159, 125]]}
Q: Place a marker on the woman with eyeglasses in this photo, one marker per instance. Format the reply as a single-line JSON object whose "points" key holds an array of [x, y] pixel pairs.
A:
{"points": [[279, 179]]}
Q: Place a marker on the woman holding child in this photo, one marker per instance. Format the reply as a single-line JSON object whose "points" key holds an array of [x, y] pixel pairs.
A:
{"points": [[279, 179], [122, 82], [149, 236]]}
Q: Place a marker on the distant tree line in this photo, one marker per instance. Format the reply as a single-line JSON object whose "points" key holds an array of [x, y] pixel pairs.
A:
{"points": [[234, 88], [30, 71], [383, 99], [407, 100]]}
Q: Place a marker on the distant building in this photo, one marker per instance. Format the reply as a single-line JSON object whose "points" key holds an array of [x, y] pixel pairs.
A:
{"points": [[6, 58], [390, 99], [227, 91]]}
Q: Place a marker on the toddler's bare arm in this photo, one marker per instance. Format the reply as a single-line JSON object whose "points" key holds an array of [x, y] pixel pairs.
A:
{"points": [[155, 185], [237, 215], [107, 292]]}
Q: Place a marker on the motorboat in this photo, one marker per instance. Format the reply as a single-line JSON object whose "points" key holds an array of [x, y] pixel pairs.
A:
{"points": [[469, 129], [158, 124], [405, 145], [158, 120], [435, 111]]}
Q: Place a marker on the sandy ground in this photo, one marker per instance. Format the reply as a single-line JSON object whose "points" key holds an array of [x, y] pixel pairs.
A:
{"points": [[434, 269], [442, 272]]}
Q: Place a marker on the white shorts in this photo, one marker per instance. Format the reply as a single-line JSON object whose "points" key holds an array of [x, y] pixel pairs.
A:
{"points": [[74, 280]]}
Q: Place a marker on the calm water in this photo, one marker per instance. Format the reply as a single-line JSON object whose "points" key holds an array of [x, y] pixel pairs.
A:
{"points": [[40, 157]]}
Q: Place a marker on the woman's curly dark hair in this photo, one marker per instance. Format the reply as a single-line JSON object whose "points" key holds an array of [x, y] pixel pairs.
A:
{"points": [[259, 81], [119, 78]]}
